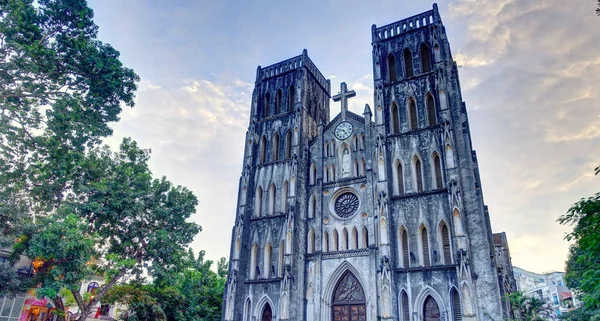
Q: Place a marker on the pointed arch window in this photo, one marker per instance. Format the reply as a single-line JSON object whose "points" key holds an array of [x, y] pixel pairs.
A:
{"points": [[326, 174], [262, 150], [288, 144], [312, 207], [364, 238], [258, 202], [413, 120], [312, 179], [449, 156], [275, 156], [344, 245], [280, 259], [362, 141], [278, 101], [399, 178], [254, 270], [408, 63], [425, 58], [354, 239], [284, 197], [272, 195], [445, 236], [326, 150], [348, 299], [456, 308], [267, 107], [391, 60], [425, 246], [431, 112], [362, 170], [335, 241], [355, 169], [403, 237], [418, 175], [405, 306], [437, 169], [355, 143], [311, 241], [395, 119], [332, 174], [431, 310], [267, 261], [290, 98], [332, 148], [326, 242]]}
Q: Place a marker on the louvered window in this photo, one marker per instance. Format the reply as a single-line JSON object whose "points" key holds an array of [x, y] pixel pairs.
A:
{"points": [[425, 242]]}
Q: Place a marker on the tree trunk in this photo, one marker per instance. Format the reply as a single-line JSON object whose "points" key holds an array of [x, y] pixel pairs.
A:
{"points": [[83, 314], [58, 304]]}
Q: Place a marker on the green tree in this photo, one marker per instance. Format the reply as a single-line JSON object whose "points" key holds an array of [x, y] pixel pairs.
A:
{"points": [[116, 220], [583, 263], [527, 308], [187, 291]]}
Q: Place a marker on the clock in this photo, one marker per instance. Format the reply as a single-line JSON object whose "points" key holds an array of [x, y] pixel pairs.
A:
{"points": [[343, 130]]}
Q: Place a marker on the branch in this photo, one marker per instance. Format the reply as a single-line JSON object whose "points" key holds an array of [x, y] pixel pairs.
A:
{"points": [[78, 299], [105, 288]]}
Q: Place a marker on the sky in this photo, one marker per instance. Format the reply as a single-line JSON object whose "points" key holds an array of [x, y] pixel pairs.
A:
{"points": [[527, 71]]}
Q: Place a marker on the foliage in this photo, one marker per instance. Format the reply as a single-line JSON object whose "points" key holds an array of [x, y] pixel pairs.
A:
{"points": [[598, 9], [59, 88], [189, 291], [528, 308], [583, 263]]}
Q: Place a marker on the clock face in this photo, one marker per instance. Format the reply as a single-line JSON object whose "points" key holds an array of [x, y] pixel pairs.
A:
{"points": [[343, 130]]}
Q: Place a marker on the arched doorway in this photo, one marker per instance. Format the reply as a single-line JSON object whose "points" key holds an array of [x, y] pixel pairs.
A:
{"points": [[267, 314], [431, 310], [348, 302]]}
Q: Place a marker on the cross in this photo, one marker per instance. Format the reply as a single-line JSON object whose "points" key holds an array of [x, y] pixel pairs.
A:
{"points": [[343, 96]]}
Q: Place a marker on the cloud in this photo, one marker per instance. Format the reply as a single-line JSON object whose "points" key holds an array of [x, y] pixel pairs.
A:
{"points": [[531, 69], [196, 133]]}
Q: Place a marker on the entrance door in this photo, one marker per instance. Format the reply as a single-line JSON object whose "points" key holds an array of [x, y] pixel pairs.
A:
{"points": [[348, 302], [267, 314], [431, 311]]}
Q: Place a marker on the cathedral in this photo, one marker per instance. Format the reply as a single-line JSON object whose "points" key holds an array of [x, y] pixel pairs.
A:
{"points": [[378, 216]]}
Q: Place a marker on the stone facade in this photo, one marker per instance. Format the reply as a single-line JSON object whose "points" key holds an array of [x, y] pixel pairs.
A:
{"points": [[378, 216]]}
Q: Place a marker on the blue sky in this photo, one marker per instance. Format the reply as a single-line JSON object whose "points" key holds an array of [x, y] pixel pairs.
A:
{"points": [[528, 70]]}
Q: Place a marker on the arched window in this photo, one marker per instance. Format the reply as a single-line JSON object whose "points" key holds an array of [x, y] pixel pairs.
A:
{"points": [[247, 309], [431, 115], [332, 148], [312, 207], [288, 144], [405, 306], [449, 156], [92, 288], [238, 247], [354, 239], [267, 261], [326, 150], [335, 241], [425, 58], [332, 174], [355, 169], [456, 309], [457, 220], [418, 174], [408, 64], [403, 237], [325, 174], [395, 119], [284, 197], [348, 295], [355, 143], [291, 98], [267, 102], [362, 170], [280, 259], [326, 242], [278, 101], [312, 179], [431, 310], [275, 155], [344, 239], [437, 169], [412, 115], [445, 238], [443, 100], [272, 194], [391, 60], [362, 141], [263, 150], [311, 241], [258, 202], [364, 238], [399, 178], [254, 270], [267, 314], [425, 246]]}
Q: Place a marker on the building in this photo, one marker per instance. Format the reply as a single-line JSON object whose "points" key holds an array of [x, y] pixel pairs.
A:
{"points": [[378, 216], [550, 287], [506, 277]]}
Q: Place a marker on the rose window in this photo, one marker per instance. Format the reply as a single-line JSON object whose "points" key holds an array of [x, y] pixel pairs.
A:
{"points": [[346, 205]]}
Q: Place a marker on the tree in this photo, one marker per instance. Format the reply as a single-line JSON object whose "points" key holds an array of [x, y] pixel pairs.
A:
{"points": [[598, 9], [583, 263], [188, 291], [60, 87], [528, 308], [114, 221]]}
